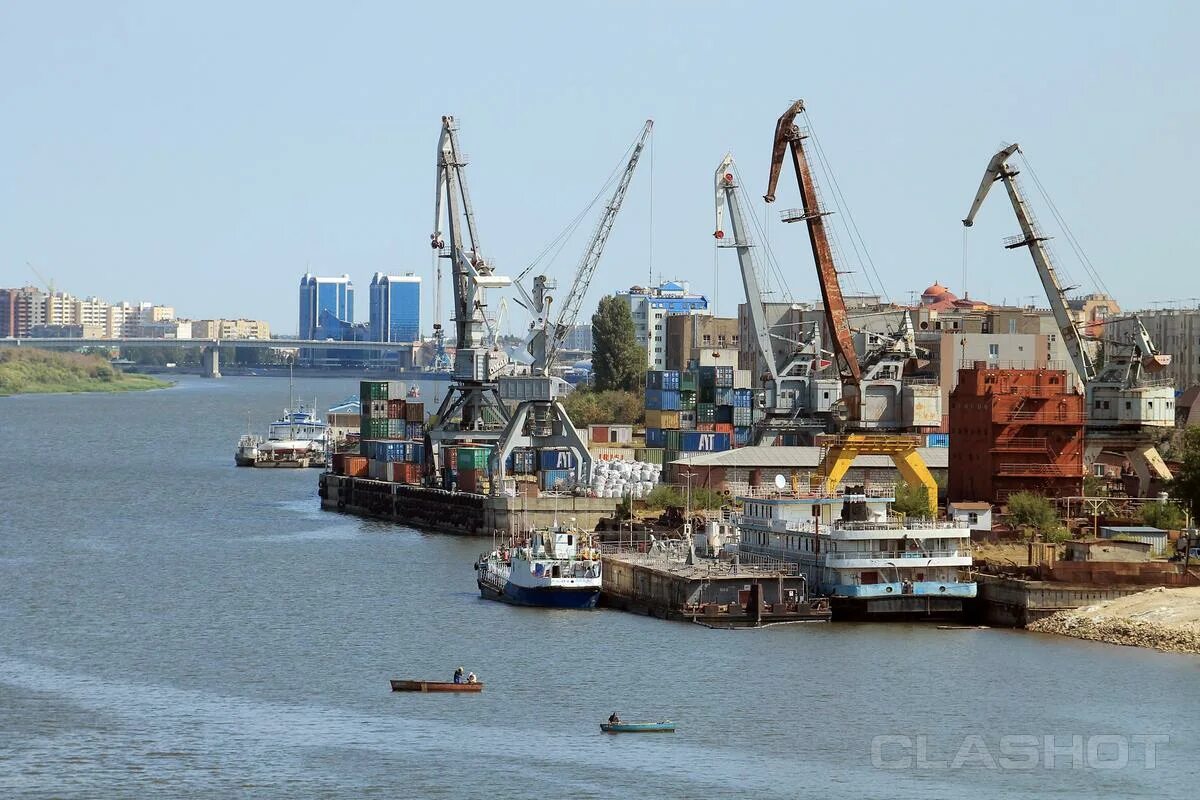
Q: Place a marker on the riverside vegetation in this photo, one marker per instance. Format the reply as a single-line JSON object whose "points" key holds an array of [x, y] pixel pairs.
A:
{"points": [[27, 371]]}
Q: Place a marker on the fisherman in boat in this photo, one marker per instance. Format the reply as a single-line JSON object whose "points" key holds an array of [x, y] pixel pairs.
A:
{"points": [[472, 679], [613, 719], [458, 675]]}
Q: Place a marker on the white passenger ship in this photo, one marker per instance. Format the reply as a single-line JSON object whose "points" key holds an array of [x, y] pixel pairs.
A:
{"points": [[870, 562]]}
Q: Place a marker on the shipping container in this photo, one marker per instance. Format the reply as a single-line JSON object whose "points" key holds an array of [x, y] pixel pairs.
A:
{"points": [[724, 427], [377, 470], [724, 378], [706, 412], [555, 458], [707, 427], [374, 427], [687, 420], [414, 430], [743, 417], [707, 394], [522, 461], [397, 429], [469, 457], [654, 399], [653, 379], [372, 390], [556, 479], [724, 397], [742, 379], [395, 409], [703, 442], [743, 398], [415, 452], [662, 419], [724, 414], [687, 400], [687, 381], [374, 408], [655, 437], [600, 453], [741, 436], [706, 377], [648, 455], [470, 480], [414, 412]]}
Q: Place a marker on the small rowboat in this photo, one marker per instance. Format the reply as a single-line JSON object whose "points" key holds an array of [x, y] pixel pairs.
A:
{"points": [[638, 727], [434, 686]]}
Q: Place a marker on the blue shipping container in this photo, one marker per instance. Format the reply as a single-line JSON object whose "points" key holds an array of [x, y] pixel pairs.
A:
{"points": [[671, 400], [703, 441], [937, 440], [552, 459], [724, 414], [556, 478], [723, 397], [654, 379], [415, 452], [654, 399], [741, 436], [656, 437], [743, 398], [670, 379]]}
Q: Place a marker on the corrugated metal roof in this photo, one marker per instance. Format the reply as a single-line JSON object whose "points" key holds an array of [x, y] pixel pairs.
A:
{"points": [[1144, 529], [803, 458]]}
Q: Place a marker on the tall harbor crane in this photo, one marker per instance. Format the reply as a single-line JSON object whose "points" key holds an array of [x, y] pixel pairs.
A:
{"points": [[797, 398], [472, 408], [879, 402], [1126, 411], [877, 396], [540, 419]]}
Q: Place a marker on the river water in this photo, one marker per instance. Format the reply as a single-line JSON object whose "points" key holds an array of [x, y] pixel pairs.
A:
{"points": [[171, 626]]}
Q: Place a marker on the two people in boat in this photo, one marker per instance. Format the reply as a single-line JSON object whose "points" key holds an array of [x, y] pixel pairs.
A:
{"points": [[458, 677], [613, 719]]}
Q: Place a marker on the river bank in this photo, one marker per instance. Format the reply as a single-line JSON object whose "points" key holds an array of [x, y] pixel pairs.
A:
{"points": [[1165, 619], [32, 371]]}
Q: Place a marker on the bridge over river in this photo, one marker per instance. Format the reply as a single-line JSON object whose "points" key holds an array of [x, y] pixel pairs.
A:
{"points": [[210, 360]]}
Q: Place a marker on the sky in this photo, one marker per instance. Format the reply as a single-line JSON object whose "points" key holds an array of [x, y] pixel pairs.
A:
{"points": [[205, 155]]}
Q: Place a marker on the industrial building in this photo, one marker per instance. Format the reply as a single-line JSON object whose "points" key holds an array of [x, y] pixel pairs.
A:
{"points": [[692, 340], [1015, 430]]}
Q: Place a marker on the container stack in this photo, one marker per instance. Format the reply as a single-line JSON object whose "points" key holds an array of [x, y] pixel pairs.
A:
{"points": [[391, 441], [709, 409]]}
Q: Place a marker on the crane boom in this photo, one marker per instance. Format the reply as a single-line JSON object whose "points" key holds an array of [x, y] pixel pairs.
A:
{"points": [[727, 197], [789, 136], [999, 170], [591, 257]]}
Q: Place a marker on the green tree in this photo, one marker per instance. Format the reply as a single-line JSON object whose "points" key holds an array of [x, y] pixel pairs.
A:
{"points": [[911, 501], [1167, 516], [1032, 511], [1186, 486], [618, 361]]}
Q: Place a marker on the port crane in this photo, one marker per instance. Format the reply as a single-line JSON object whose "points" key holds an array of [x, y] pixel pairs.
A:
{"points": [[797, 398], [540, 419], [880, 404], [1126, 411], [876, 395], [472, 408]]}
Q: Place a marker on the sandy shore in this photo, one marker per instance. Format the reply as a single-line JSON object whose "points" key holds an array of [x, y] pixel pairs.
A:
{"points": [[1166, 619]]}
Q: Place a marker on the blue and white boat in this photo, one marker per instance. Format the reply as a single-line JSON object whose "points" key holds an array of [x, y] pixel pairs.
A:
{"points": [[870, 562], [552, 568]]}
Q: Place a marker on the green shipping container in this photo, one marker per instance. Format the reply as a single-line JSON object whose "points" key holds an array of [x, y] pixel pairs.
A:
{"points": [[687, 381], [374, 428], [649, 455], [687, 400], [372, 390], [706, 412], [473, 457]]}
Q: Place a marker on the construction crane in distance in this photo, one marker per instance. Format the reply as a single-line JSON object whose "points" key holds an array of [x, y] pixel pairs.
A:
{"points": [[1126, 411], [797, 399], [472, 408], [540, 419]]}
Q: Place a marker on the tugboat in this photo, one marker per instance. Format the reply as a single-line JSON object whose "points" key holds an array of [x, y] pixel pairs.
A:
{"points": [[552, 568]]}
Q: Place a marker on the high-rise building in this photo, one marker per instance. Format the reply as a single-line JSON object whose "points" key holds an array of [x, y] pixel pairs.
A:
{"points": [[395, 308], [20, 310], [323, 303], [650, 306]]}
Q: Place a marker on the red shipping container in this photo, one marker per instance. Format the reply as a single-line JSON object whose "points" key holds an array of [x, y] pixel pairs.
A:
{"points": [[396, 409], [355, 466], [706, 426], [415, 412], [469, 480], [724, 427]]}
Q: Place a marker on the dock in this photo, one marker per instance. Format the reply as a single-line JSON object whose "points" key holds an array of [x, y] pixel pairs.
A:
{"points": [[457, 512], [659, 579]]}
